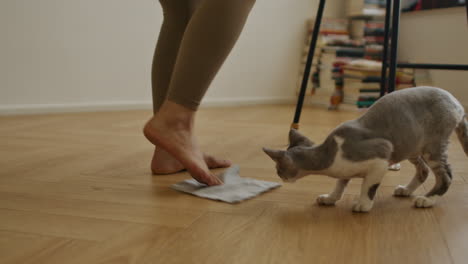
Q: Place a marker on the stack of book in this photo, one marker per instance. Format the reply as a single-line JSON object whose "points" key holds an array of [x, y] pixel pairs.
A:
{"points": [[332, 60], [405, 78], [359, 8], [331, 26], [331, 31], [374, 32], [374, 52], [361, 84], [333, 35], [348, 57], [332, 63]]}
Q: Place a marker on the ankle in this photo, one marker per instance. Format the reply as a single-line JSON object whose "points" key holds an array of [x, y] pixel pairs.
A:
{"points": [[176, 116]]}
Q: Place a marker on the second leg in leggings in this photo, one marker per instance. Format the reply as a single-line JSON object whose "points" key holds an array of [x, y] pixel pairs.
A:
{"points": [[209, 37], [176, 17]]}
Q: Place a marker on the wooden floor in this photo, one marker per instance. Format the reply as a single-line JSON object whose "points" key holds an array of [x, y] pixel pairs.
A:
{"points": [[76, 188]]}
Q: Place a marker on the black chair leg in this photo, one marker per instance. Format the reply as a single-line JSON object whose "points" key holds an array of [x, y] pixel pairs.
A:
{"points": [[308, 66], [394, 45], [383, 76]]}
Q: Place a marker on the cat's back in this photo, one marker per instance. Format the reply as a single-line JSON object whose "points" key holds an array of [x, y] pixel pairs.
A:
{"points": [[423, 96], [413, 118], [419, 96], [415, 105]]}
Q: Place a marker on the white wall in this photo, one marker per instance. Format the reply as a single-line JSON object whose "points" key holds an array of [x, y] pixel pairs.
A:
{"points": [[438, 36], [64, 55]]}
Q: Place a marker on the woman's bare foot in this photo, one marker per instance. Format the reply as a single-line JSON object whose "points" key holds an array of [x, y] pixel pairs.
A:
{"points": [[164, 163], [172, 129]]}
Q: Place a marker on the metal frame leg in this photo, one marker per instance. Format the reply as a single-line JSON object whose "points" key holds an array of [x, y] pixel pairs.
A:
{"points": [[308, 66], [383, 76], [394, 45]]}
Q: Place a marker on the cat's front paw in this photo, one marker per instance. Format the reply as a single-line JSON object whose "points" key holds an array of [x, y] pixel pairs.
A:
{"points": [[424, 202], [362, 207], [401, 191], [326, 199]]}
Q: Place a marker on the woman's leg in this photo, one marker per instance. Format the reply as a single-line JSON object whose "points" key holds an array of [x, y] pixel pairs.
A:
{"points": [[177, 14], [208, 39], [210, 36], [176, 17]]}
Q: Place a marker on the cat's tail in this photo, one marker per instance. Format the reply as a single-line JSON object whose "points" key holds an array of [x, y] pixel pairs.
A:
{"points": [[462, 133]]}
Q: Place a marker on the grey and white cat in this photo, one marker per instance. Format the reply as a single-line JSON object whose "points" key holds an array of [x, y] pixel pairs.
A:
{"points": [[413, 124]]}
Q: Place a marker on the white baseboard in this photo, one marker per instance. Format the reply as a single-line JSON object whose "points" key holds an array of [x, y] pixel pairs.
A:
{"points": [[23, 109], [244, 101]]}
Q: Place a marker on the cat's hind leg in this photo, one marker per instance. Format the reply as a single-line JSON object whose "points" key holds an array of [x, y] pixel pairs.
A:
{"points": [[370, 184], [443, 176], [422, 171], [333, 197]]}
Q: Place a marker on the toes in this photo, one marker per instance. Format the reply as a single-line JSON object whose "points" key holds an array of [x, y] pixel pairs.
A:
{"points": [[424, 202], [214, 163], [362, 207], [216, 181], [401, 191], [210, 179], [203, 175], [325, 199]]}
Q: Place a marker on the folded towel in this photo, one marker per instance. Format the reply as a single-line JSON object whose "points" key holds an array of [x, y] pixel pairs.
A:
{"points": [[235, 189]]}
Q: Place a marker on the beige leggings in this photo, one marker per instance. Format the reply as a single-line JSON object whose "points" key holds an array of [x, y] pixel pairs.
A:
{"points": [[195, 39]]}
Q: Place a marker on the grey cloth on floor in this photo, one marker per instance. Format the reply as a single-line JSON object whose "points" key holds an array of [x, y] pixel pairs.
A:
{"points": [[235, 189]]}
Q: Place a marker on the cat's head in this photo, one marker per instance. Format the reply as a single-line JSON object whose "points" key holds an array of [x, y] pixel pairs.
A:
{"points": [[285, 166]]}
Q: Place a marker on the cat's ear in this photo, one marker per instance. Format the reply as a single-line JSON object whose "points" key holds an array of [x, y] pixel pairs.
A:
{"points": [[275, 155], [297, 139]]}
